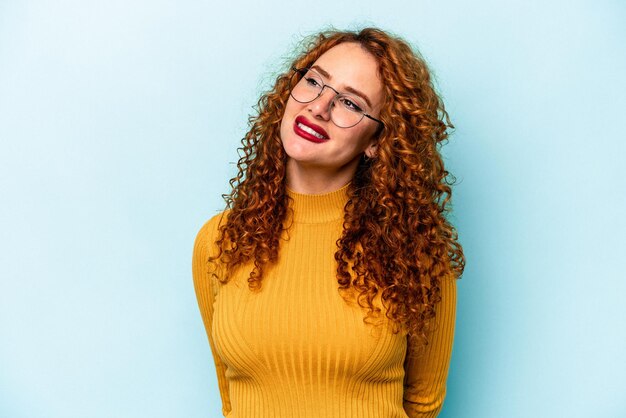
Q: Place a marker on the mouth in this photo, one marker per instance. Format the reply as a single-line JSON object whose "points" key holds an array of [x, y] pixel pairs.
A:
{"points": [[309, 131]]}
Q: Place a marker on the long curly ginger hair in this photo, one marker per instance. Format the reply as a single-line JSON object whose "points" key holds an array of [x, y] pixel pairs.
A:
{"points": [[395, 239]]}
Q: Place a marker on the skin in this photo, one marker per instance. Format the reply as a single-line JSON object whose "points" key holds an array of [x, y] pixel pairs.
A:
{"points": [[315, 168]]}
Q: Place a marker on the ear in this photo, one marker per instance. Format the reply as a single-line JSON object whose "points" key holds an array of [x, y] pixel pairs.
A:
{"points": [[370, 151]]}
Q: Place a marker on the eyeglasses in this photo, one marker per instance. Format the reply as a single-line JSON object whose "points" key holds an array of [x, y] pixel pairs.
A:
{"points": [[345, 110]]}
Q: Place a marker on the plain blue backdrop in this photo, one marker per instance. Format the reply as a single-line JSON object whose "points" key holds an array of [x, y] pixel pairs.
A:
{"points": [[119, 123]]}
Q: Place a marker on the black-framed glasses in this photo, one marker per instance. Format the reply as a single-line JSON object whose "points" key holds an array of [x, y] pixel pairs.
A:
{"points": [[346, 110]]}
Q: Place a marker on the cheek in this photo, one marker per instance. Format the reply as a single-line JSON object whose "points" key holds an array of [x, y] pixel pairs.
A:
{"points": [[362, 138], [291, 108], [288, 116]]}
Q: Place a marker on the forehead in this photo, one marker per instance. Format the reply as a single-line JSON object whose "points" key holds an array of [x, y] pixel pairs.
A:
{"points": [[349, 65]]}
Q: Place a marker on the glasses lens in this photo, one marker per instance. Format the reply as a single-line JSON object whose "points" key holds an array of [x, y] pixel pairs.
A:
{"points": [[346, 111], [307, 88]]}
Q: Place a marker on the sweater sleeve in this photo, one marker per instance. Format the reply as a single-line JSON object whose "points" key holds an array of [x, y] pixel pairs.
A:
{"points": [[206, 288], [426, 374]]}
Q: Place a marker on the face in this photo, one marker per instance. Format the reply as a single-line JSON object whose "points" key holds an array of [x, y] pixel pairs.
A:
{"points": [[347, 68]]}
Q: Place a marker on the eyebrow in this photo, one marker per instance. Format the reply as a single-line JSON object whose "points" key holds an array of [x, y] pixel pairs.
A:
{"points": [[348, 89]]}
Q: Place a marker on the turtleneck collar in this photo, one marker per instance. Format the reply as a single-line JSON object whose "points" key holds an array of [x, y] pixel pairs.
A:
{"points": [[318, 208]]}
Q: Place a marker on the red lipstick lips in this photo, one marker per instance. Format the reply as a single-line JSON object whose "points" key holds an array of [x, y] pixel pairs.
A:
{"points": [[309, 131]]}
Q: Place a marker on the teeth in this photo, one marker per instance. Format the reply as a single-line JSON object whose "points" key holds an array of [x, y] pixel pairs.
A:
{"points": [[311, 131]]}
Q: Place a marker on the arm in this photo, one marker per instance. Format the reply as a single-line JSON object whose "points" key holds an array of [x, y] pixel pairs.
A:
{"points": [[206, 289], [425, 376]]}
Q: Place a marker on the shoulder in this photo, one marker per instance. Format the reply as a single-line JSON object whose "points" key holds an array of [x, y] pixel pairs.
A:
{"points": [[205, 248], [208, 233], [205, 245]]}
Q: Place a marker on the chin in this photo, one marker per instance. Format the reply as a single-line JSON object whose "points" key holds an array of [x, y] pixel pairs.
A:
{"points": [[294, 152]]}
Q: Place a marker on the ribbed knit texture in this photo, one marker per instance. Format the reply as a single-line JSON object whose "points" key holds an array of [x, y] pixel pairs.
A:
{"points": [[297, 349]]}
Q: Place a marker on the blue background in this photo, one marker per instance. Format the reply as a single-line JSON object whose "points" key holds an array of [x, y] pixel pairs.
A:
{"points": [[119, 123]]}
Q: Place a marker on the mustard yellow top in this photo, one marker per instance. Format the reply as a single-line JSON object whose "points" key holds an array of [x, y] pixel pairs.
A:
{"points": [[297, 349]]}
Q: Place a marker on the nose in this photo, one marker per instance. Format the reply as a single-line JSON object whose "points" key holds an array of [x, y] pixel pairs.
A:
{"points": [[320, 107]]}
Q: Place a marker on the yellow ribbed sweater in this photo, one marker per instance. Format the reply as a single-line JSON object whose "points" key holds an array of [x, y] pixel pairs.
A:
{"points": [[297, 349]]}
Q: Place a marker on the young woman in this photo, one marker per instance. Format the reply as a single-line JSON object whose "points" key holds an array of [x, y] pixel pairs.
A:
{"points": [[327, 287]]}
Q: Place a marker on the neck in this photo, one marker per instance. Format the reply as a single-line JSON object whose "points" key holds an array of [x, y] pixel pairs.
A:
{"points": [[317, 180], [317, 208]]}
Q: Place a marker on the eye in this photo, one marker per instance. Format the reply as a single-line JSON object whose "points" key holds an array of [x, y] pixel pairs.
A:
{"points": [[311, 81], [349, 104]]}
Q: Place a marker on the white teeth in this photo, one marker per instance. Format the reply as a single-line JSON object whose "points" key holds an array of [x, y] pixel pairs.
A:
{"points": [[311, 131]]}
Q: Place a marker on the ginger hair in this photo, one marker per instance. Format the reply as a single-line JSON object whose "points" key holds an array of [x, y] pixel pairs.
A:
{"points": [[396, 239]]}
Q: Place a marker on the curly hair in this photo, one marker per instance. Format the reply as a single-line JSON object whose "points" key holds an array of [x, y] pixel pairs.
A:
{"points": [[396, 239]]}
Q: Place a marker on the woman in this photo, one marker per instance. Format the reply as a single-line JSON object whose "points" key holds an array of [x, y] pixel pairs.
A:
{"points": [[327, 287]]}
